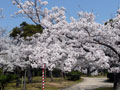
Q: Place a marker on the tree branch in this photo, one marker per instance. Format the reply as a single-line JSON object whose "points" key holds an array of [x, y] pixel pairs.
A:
{"points": [[104, 44], [25, 12]]}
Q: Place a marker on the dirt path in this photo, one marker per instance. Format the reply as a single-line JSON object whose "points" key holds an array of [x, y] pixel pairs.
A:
{"points": [[90, 83]]}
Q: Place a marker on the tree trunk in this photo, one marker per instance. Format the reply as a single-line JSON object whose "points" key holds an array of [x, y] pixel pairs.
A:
{"points": [[2, 88], [18, 81], [88, 71], [51, 75], [62, 76], [18, 78], [116, 81], [65, 75], [29, 74], [3, 72], [24, 82]]}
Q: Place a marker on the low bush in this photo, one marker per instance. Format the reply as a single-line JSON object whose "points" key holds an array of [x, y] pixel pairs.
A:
{"points": [[74, 75], [5, 79]]}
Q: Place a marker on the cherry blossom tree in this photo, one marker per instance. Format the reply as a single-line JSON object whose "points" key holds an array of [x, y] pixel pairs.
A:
{"points": [[67, 38], [16, 55], [111, 40], [33, 9], [105, 37], [66, 45]]}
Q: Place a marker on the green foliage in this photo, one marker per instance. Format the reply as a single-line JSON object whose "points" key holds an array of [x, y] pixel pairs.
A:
{"points": [[5, 79], [15, 32], [26, 30], [74, 75]]}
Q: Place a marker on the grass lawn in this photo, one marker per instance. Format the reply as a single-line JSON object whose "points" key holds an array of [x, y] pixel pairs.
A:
{"points": [[105, 88], [37, 84]]}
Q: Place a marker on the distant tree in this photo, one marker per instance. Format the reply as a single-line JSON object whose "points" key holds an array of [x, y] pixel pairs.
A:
{"points": [[25, 30]]}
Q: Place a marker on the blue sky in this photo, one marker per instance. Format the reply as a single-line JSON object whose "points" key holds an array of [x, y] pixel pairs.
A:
{"points": [[103, 9]]}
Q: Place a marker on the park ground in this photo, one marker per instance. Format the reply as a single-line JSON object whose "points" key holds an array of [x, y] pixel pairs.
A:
{"points": [[91, 83], [57, 84], [85, 83]]}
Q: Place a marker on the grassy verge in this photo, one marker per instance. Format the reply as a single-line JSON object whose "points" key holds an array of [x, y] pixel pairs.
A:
{"points": [[98, 76], [105, 88], [37, 85]]}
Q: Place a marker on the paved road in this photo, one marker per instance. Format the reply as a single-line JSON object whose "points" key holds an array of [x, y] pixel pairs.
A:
{"points": [[90, 83]]}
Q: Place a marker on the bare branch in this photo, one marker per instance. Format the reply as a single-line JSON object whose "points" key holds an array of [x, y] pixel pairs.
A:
{"points": [[25, 12]]}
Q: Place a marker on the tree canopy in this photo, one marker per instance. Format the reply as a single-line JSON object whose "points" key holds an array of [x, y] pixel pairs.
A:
{"points": [[26, 30]]}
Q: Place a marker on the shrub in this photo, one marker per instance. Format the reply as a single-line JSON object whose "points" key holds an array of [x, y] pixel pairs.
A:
{"points": [[74, 75], [57, 73], [5, 79]]}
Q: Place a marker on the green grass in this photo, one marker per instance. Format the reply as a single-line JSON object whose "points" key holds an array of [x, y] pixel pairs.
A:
{"points": [[49, 85], [105, 88]]}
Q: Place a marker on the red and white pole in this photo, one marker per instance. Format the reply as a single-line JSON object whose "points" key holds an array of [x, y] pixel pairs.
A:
{"points": [[43, 76]]}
